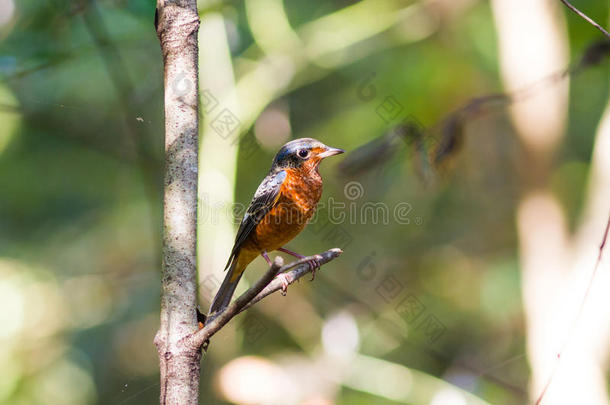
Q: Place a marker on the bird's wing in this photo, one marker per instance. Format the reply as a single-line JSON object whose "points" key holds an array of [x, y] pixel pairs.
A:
{"points": [[264, 199]]}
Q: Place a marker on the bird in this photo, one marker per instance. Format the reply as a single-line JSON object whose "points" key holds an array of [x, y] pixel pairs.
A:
{"points": [[281, 207]]}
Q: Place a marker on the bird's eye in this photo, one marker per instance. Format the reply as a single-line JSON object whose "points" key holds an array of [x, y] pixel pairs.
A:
{"points": [[303, 153]]}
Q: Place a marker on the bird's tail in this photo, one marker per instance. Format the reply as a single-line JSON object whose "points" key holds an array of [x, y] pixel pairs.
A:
{"points": [[225, 292], [227, 288]]}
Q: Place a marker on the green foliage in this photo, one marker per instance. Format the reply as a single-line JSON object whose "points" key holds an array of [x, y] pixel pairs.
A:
{"points": [[80, 205]]}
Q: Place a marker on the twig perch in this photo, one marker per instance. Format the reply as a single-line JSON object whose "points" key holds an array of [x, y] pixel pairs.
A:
{"points": [[294, 275], [265, 286]]}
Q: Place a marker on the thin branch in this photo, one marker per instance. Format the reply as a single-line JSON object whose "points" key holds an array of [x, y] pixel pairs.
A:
{"points": [[445, 137], [294, 275], [578, 314], [586, 18], [213, 325], [265, 286]]}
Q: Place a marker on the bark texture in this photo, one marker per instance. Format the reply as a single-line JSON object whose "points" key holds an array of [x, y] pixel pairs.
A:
{"points": [[177, 23]]}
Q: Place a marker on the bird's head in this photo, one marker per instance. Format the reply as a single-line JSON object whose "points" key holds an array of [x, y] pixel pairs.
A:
{"points": [[303, 153]]}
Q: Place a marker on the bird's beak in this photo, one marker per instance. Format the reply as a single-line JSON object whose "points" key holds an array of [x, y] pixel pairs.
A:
{"points": [[330, 152]]}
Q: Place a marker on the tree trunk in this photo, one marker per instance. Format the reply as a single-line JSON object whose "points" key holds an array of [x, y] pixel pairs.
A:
{"points": [[177, 23]]}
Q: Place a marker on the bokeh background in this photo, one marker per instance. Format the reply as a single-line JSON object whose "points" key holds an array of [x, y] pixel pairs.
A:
{"points": [[463, 295]]}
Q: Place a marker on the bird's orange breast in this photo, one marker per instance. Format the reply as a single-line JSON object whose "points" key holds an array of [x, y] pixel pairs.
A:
{"points": [[299, 196]]}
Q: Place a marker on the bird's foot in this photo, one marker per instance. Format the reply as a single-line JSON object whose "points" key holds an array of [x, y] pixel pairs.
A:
{"points": [[286, 281], [314, 265]]}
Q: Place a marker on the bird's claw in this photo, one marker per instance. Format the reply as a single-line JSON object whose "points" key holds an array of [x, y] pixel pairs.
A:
{"points": [[285, 282], [314, 264]]}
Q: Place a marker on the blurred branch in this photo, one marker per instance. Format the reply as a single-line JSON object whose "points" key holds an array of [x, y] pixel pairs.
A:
{"points": [[117, 70], [59, 58], [119, 74], [264, 287], [446, 137], [551, 265], [55, 60], [586, 18], [578, 314], [452, 126]]}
